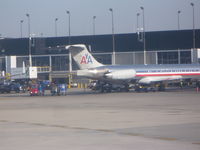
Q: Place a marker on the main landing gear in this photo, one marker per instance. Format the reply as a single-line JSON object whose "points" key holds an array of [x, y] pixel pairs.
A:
{"points": [[105, 87], [149, 88]]}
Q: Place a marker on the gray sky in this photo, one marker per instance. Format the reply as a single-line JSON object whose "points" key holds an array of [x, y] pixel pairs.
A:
{"points": [[159, 15]]}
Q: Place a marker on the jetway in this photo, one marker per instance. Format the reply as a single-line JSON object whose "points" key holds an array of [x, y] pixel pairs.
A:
{"points": [[23, 72]]}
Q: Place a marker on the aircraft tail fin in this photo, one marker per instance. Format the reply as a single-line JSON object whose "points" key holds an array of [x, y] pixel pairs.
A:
{"points": [[83, 57]]}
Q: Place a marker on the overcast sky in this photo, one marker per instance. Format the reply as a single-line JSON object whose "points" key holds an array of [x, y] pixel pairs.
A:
{"points": [[159, 15]]}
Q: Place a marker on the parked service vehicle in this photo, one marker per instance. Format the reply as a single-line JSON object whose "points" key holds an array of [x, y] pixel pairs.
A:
{"points": [[46, 84], [11, 87], [58, 89], [16, 87], [54, 89], [4, 88], [41, 89], [34, 90], [62, 89]]}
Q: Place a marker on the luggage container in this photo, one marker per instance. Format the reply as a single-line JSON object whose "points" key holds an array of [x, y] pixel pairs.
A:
{"points": [[62, 89], [54, 89]]}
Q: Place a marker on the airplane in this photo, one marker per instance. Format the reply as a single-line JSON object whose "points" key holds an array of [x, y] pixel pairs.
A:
{"points": [[123, 75]]}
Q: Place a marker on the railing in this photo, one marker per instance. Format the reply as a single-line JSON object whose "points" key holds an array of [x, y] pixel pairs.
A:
{"points": [[43, 69]]}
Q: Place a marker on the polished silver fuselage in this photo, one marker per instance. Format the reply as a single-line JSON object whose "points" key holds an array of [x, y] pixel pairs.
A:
{"points": [[154, 73]]}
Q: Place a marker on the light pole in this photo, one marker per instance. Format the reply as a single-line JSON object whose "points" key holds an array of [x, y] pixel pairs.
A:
{"points": [[29, 36], [69, 42], [137, 28], [56, 34], [179, 12], [69, 26], [113, 36], [94, 18], [193, 26], [69, 39], [144, 39], [21, 22], [179, 19]]}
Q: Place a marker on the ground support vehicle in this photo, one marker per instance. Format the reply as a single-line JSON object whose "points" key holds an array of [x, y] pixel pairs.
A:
{"points": [[62, 89], [41, 89], [4, 88], [34, 90], [54, 89]]}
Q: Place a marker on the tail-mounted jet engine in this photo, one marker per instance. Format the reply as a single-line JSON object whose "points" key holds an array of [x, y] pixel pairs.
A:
{"points": [[93, 73], [121, 75]]}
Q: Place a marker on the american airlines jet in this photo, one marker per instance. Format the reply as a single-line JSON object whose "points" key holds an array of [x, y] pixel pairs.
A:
{"points": [[109, 75]]}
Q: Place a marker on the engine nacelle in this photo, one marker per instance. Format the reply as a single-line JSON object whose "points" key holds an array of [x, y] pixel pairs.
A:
{"points": [[121, 74], [92, 73]]}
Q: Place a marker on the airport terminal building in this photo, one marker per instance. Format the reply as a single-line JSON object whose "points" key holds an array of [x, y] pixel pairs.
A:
{"points": [[52, 60]]}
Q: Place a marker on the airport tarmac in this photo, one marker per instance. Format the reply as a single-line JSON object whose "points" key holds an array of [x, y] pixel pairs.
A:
{"points": [[84, 120]]}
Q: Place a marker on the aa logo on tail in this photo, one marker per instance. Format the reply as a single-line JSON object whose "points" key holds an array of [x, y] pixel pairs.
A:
{"points": [[86, 59]]}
